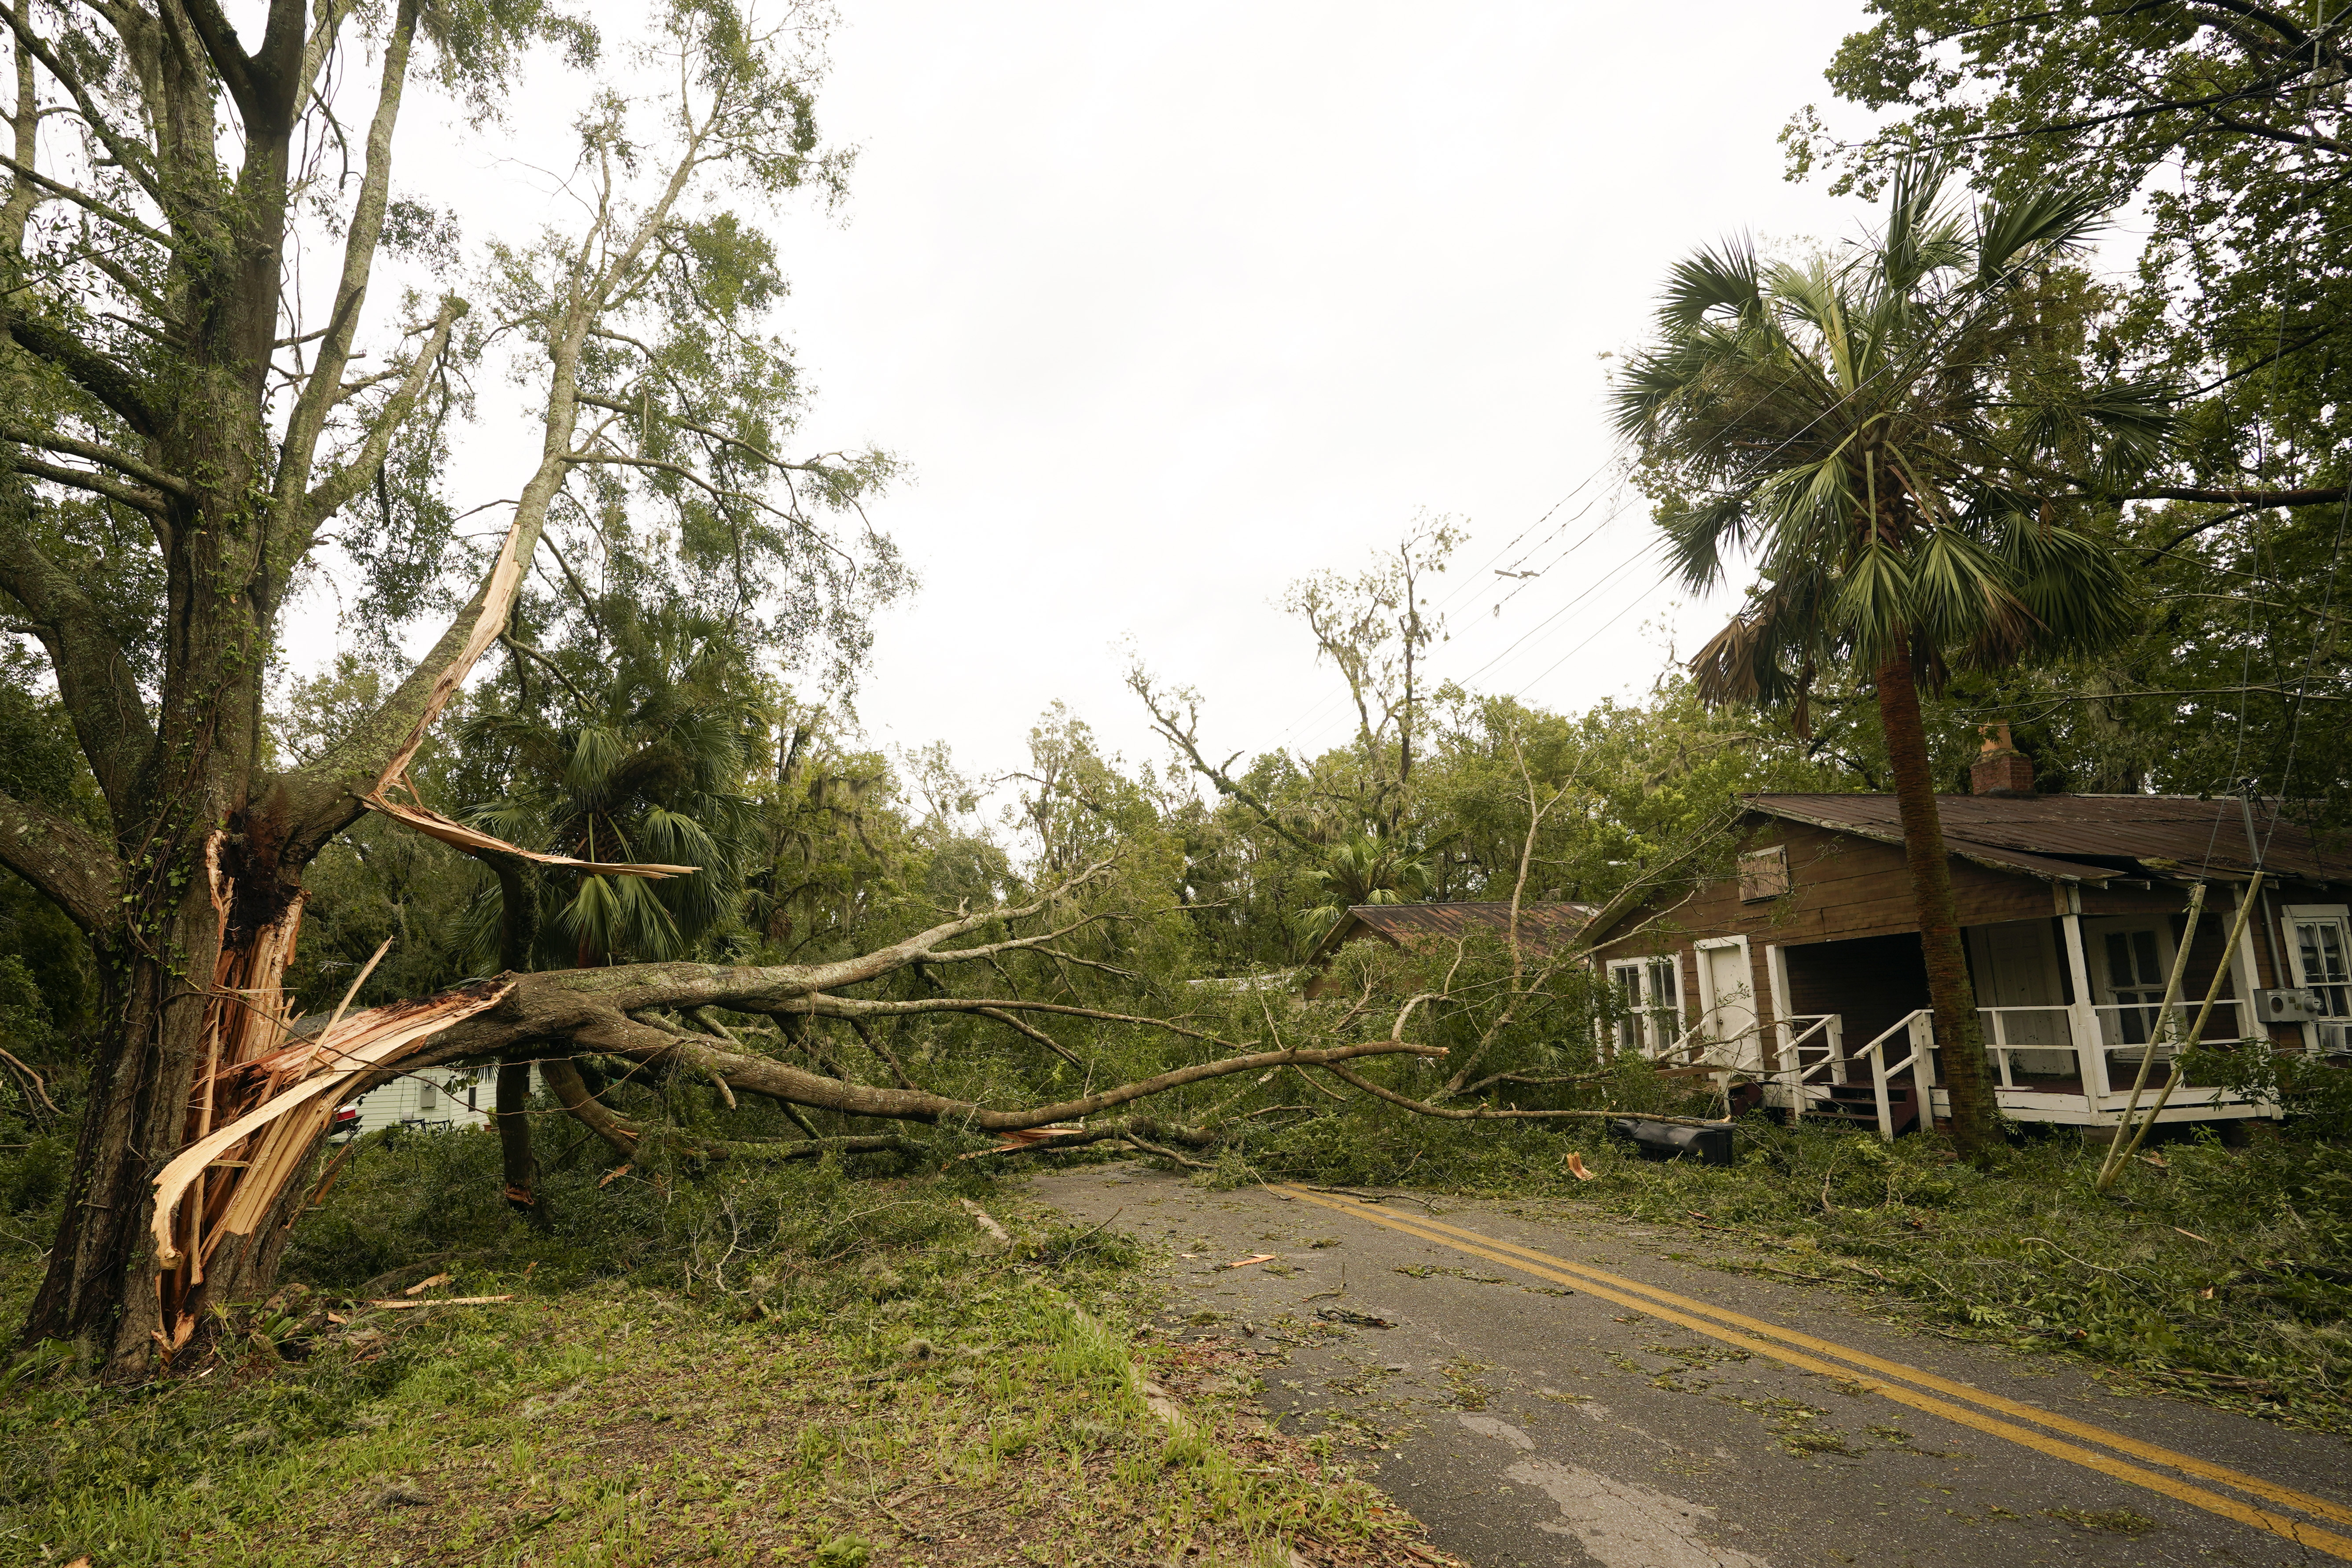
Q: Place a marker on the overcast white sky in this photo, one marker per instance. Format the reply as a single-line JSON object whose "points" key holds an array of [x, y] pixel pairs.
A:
{"points": [[1168, 306]]}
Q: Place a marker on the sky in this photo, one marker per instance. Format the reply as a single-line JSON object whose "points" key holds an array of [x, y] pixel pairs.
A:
{"points": [[1169, 306], [1165, 307]]}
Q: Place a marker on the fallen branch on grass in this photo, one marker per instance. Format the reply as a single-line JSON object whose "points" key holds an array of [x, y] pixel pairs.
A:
{"points": [[1489, 1113], [399, 1305]]}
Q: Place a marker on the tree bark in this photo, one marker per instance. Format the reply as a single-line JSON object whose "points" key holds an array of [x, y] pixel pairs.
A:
{"points": [[1967, 1072], [513, 1118]]}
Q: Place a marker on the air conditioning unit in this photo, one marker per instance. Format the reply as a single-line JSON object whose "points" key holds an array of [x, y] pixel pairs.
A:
{"points": [[2335, 1037], [2291, 1004]]}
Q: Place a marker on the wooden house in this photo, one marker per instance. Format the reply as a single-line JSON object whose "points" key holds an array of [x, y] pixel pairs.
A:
{"points": [[1803, 973]]}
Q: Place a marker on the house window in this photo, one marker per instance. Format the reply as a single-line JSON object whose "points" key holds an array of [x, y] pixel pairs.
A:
{"points": [[1764, 873], [1650, 993], [2137, 979], [2318, 949]]}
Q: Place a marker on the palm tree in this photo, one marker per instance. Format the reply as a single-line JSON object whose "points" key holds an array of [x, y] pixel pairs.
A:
{"points": [[1893, 436], [648, 768], [1360, 871]]}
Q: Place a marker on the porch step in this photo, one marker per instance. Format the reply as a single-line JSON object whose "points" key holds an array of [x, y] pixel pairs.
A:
{"points": [[1857, 1103]]}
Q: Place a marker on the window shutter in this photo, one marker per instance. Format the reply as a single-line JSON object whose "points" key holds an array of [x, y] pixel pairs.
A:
{"points": [[1763, 874]]}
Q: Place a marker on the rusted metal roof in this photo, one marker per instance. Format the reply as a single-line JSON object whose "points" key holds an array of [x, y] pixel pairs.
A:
{"points": [[2087, 838], [1542, 926]]}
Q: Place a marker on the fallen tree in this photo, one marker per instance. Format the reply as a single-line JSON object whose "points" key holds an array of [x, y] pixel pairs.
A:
{"points": [[622, 1012]]}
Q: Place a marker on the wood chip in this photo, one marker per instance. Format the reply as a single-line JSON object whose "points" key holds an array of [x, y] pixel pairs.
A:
{"points": [[615, 1174], [422, 1286], [396, 1304], [1576, 1168], [1246, 1262], [980, 1215]]}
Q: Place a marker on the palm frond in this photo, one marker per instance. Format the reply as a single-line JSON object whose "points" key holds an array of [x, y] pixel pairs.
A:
{"points": [[1720, 279], [596, 754], [2042, 221], [1961, 596]]}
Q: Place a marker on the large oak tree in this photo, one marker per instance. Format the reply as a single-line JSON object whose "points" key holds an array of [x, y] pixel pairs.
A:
{"points": [[195, 426]]}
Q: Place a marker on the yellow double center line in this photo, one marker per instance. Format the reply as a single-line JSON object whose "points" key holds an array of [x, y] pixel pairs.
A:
{"points": [[1791, 1346]]}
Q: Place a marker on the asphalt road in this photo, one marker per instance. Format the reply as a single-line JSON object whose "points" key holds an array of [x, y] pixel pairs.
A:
{"points": [[1589, 1391]]}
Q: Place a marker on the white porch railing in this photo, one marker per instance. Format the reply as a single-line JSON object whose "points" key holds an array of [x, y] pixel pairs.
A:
{"points": [[1821, 1036], [1918, 1031], [2085, 1035]]}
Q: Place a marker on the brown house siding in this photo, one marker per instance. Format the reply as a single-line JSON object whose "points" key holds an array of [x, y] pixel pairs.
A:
{"points": [[1848, 922]]}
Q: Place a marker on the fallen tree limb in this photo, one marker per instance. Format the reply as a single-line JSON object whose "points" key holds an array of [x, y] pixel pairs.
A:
{"points": [[1124, 1130], [1487, 1113], [813, 1148], [1167, 1153], [616, 1036]]}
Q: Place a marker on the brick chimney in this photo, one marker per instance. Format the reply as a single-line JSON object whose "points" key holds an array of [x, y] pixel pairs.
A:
{"points": [[2000, 768]]}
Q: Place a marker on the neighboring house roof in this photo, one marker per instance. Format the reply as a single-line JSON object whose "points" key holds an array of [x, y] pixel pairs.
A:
{"points": [[1543, 927], [2083, 837]]}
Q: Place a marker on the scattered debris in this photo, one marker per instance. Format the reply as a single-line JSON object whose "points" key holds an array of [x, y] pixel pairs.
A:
{"points": [[1576, 1168], [548, 1403], [1246, 1262], [1349, 1315], [401, 1491], [615, 1174], [980, 1215], [435, 1282], [2106, 1521], [398, 1305]]}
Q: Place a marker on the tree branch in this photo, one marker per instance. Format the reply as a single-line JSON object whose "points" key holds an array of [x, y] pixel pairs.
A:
{"points": [[339, 488], [120, 461], [94, 678], [1487, 1113], [145, 501], [84, 200], [325, 390], [96, 374], [67, 861]]}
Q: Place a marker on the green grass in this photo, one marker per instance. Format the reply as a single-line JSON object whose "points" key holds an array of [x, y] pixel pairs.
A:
{"points": [[2224, 1274], [786, 1366]]}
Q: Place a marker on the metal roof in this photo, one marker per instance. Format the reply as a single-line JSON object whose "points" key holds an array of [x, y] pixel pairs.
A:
{"points": [[2087, 838], [1542, 926]]}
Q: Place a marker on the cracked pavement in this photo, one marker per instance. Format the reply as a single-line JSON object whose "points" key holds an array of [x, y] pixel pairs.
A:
{"points": [[1528, 1418]]}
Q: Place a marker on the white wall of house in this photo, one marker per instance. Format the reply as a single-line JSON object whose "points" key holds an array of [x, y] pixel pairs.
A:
{"points": [[431, 1098]]}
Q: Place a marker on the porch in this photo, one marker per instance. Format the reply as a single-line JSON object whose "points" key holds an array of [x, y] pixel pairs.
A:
{"points": [[1843, 1029]]}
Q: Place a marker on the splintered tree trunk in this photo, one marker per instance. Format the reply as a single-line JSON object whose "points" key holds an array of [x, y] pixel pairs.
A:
{"points": [[1966, 1073], [179, 1062]]}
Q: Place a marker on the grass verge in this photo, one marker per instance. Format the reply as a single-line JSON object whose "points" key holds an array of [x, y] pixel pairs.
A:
{"points": [[783, 1366]]}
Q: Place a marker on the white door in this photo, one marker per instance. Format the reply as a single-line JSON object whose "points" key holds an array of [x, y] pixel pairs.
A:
{"points": [[1727, 989], [2016, 965]]}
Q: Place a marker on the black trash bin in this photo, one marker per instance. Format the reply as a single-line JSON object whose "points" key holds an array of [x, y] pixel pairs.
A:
{"points": [[1664, 1141]]}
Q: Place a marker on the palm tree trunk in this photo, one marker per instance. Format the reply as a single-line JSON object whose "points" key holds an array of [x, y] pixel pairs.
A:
{"points": [[1966, 1073]]}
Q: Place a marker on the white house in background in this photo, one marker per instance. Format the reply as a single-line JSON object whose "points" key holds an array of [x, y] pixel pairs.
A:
{"points": [[434, 1099]]}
